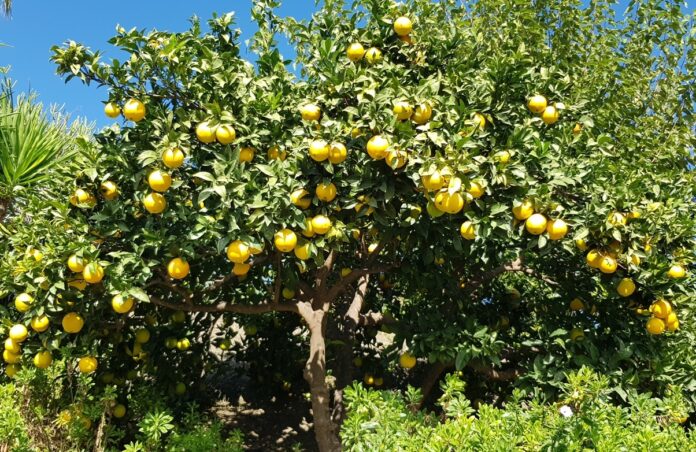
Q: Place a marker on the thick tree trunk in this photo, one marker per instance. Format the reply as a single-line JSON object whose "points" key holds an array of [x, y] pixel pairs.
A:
{"points": [[325, 430]]}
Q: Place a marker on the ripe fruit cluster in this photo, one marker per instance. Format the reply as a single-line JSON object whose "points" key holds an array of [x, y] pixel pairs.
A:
{"points": [[538, 104]]}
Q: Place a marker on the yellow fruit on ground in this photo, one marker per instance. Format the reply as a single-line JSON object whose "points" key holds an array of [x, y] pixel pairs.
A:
{"points": [[43, 359], [320, 224], [173, 158], [225, 134], [72, 322], [433, 181], [300, 199], [536, 224], [655, 326], [377, 147], [661, 309], [577, 335], [93, 273], [523, 210], [607, 264], [142, 335], [246, 154], [18, 333], [310, 112], [238, 252], [109, 190], [617, 219], [205, 132], [154, 203], [403, 26], [581, 244], [319, 150], [373, 55], [626, 287], [355, 52], [407, 360], [422, 113], [178, 268], [303, 252], [134, 110], [396, 159], [122, 305], [12, 369], [241, 269], [676, 271], [577, 129], [285, 240], [576, 304], [159, 181], [549, 115], [12, 346], [480, 120], [326, 192], [11, 358], [23, 302], [337, 153], [475, 189], [40, 323], [537, 104], [76, 263], [557, 229], [403, 110], [112, 110], [467, 230], [118, 411], [87, 364]]}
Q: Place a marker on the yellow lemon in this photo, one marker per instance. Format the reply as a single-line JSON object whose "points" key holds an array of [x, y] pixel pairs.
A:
{"points": [[626, 287], [319, 150], [581, 244], [155, 203], [433, 181], [523, 210], [402, 110], [310, 112], [205, 132], [173, 158], [607, 264], [225, 134], [134, 110], [577, 335], [467, 230], [178, 268], [76, 263], [109, 190], [246, 154], [11, 358], [661, 309], [617, 219], [12, 369], [396, 159], [676, 271], [480, 120], [403, 26], [594, 258], [43, 359], [23, 302], [373, 55], [238, 252], [549, 115], [285, 240], [304, 252], [577, 129], [377, 147], [655, 326], [423, 113], [502, 157], [672, 322], [40, 323], [241, 269], [557, 229], [121, 305], [159, 181], [537, 104], [407, 360], [72, 322], [118, 411], [87, 364], [536, 224], [142, 335], [326, 192], [299, 198], [12, 346], [93, 273], [355, 52], [576, 304], [321, 224], [337, 153], [183, 344], [18, 333], [275, 153], [112, 110]]}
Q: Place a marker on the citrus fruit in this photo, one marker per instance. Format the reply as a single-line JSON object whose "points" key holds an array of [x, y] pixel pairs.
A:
{"points": [[134, 110], [178, 268]]}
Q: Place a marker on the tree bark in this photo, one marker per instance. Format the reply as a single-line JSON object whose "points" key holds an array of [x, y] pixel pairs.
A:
{"points": [[325, 430]]}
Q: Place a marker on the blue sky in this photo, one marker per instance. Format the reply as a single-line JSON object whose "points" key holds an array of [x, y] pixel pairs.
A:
{"points": [[36, 25]]}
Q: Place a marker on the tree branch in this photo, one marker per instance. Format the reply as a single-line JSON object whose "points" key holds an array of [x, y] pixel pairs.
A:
{"points": [[375, 319], [352, 315], [229, 307]]}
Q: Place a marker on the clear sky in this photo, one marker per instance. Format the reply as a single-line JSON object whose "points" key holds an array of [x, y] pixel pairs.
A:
{"points": [[36, 25]]}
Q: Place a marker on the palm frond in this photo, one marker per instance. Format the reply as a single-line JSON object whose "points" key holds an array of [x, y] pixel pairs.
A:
{"points": [[6, 7]]}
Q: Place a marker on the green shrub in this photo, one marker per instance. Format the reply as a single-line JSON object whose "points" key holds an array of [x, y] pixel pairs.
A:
{"points": [[585, 418], [13, 430]]}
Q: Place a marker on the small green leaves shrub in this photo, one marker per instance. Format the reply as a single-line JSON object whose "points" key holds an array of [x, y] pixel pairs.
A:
{"points": [[13, 430], [584, 418]]}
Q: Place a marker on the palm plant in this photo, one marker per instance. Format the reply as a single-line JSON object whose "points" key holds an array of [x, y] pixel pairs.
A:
{"points": [[31, 144], [6, 7]]}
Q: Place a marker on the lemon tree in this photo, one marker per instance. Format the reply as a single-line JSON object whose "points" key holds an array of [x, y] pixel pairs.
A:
{"points": [[505, 189]]}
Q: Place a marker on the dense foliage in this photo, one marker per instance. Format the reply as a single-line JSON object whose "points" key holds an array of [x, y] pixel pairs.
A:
{"points": [[504, 188]]}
